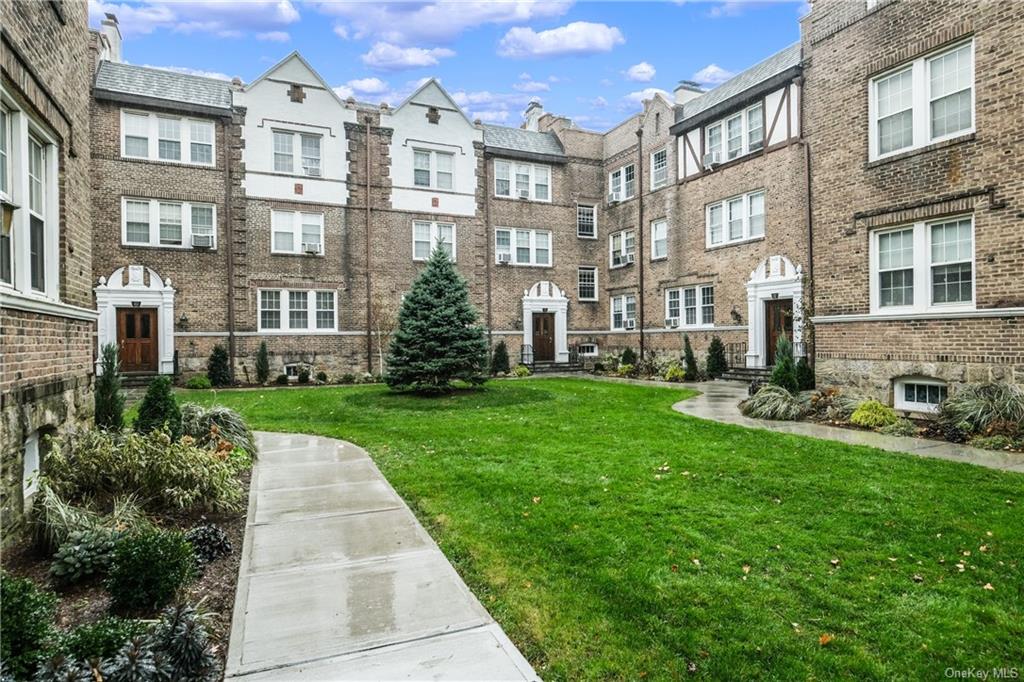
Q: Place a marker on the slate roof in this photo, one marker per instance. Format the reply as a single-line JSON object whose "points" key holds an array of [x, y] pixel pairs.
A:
{"points": [[521, 141], [776, 64], [157, 84]]}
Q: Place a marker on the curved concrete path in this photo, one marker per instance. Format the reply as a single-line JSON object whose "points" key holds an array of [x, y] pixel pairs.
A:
{"points": [[339, 581], [719, 401]]}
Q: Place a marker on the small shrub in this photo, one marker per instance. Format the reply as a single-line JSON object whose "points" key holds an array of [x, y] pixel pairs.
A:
{"points": [[109, 397], [26, 624], [60, 668], [522, 371], [717, 364], [347, 378], [804, 375], [209, 543], [628, 357], [136, 662], [84, 554], [831, 404], [321, 377], [149, 568], [646, 367], [689, 360], [211, 426], [784, 372], [262, 363], [625, 370], [674, 373], [199, 381], [873, 415], [102, 639], [979, 405], [996, 443], [499, 359], [159, 409], [304, 375], [281, 380], [772, 402], [218, 367], [599, 367], [900, 427], [181, 639]]}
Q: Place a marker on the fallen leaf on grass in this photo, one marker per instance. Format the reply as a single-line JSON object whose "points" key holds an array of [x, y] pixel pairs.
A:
{"points": [[918, 578], [988, 586], [746, 568], [675, 568], [834, 562], [825, 639], [696, 562], [536, 500], [983, 548]]}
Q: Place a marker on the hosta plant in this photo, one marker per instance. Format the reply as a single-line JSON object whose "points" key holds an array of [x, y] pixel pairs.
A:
{"points": [[84, 554]]}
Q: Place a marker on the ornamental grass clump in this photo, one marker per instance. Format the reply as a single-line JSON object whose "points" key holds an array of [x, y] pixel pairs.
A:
{"points": [[210, 426], [773, 402], [975, 408]]}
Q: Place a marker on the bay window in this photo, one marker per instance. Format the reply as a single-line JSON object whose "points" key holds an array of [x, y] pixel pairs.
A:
{"points": [[297, 232], [622, 248], [624, 311], [924, 267], [297, 310], [167, 224], [532, 181], [928, 100], [522, 247], [426, 236], [743, 218], [433, 169], [160, 137]]}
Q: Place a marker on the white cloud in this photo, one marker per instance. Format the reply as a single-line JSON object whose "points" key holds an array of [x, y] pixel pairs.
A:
{"points": [[388, 57], [606, 82], [371, 86], [192, 72], [599, 102], [578, 37], [224, 18], [341, 31], [274, 36], [490, 116], [525, 76], [405, 23], [638, 97], [641, 73], [375, 90], [493, 107], [531, 86], [712, 74]]}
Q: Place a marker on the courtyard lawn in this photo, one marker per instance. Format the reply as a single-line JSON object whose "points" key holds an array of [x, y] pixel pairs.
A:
{"points": [[613, 538]]}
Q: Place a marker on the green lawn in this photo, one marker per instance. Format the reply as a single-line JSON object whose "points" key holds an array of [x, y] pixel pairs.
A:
{"points": [[613, 538]]}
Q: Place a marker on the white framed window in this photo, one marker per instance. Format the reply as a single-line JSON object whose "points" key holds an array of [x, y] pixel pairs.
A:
{"points": [[297, 153], [659, 169], [624, 311], [426, 236], [522, 247], [737, 135], [621, 248], [167, 224], [296, 232], [586, 221], [659, 239], [6, 252], [30, 465], [298, 310], [174, 139], [530, 181], [690, 306], [928, 100], [587, 350], [433, 169], [924, 267], [622, 183], [735, 219], [586, 279], [919, 394]]}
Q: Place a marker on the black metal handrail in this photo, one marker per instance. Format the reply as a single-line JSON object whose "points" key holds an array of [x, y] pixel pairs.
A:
{"points": [[736, 354]]}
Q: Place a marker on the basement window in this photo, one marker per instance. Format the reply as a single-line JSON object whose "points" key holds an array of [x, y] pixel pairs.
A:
{"points": [[920, 394]]}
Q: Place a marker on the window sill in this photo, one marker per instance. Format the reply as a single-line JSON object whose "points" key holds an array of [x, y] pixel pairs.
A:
{"points": [[583, 236], [294, 176], [931, 147], [588, 300], [620, 266], [530, 200], [524, 265], [659, 259], [168, 247], [34, 303], [166, 162], [930, 315], [737, 242], [297, 254], [298, 332]]}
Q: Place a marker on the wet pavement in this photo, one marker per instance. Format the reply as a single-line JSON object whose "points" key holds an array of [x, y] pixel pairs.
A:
{"points": [[339, 581]]}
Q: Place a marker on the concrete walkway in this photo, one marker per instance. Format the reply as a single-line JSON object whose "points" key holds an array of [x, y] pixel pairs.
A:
{"points": [[719, 401], [340, 582]]}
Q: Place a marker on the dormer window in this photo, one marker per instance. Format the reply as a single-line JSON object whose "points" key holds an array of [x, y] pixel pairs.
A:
{"points": [[743, 133], [529, 181]]}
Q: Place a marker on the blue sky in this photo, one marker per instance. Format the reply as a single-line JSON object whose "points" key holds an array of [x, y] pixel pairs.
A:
{"points": [[592, 61]]}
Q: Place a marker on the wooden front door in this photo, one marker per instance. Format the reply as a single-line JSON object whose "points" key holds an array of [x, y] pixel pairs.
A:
{"points": [[136, 339], [778, 315], [543, 337]]}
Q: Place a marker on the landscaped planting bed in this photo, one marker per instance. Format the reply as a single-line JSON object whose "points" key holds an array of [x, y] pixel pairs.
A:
{"points": [[613, 538]]}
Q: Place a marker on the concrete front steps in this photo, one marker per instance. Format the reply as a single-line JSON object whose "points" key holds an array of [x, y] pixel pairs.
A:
{"points": [[747, 374], [547, 367]]}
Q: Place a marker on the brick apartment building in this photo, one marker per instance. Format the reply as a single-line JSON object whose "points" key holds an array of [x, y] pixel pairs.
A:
{"points": [[47, 320], [915, 116]]}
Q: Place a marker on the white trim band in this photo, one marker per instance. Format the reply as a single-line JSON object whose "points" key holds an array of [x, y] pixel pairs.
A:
{"points": [[936, 315]]}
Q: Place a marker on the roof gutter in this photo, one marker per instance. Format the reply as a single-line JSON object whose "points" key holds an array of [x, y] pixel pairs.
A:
{"points": [[173, 105], [526, 156]]}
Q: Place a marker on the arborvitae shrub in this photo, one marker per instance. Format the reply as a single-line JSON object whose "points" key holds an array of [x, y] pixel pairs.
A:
{"points": [[628, 357], [717, 364], [159, 410], [217, 367], [784, 373], [689, 360], [804, 375], [499, 359], [109, 398], [262, 363]]}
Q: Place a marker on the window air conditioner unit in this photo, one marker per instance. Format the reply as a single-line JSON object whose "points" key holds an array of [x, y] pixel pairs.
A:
{"points": [[524, 194], [202, 241], [311, 248], [630, 324], [671, 322], [712, 159], [504, 258], [313, 172], [613, 197], [630, 258]]}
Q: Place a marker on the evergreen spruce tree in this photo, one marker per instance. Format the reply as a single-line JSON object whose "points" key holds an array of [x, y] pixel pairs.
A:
{"points": [[262, 364], [437, 339], [717, 364], [499, 359], [628, 357], [689, 360], [804, 375], [217, 368], [159, 410], [784, 373], [109, 398]]}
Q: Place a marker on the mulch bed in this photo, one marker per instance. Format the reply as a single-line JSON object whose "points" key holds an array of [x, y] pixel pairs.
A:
{"points": [[88, 602]]}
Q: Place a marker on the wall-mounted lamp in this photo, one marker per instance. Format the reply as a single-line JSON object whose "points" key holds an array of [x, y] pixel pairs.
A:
{"points": [[183, 321]]}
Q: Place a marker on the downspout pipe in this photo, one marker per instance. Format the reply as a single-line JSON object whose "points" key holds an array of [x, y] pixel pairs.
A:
{"points": [[809, 219], [487, 246], [369, 290], [229, 236], [640, 227]]}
